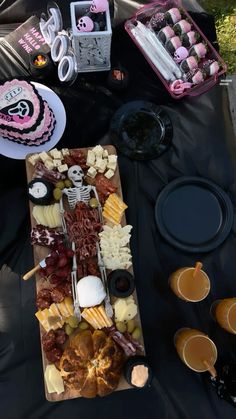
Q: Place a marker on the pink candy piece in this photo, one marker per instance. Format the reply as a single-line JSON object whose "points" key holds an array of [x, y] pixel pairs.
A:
{"points": [[99, 6], [178, 86], [180, 54], [85, 24]]}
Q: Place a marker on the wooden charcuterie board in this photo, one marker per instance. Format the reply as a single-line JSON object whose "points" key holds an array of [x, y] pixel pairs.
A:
{"points": [[41, 252]]}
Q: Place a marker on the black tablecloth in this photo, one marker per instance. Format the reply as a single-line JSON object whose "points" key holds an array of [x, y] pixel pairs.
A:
{"points": [[203, 145]]}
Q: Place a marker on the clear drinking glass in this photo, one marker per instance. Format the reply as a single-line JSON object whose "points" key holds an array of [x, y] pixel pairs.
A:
{"points": [[224, 312], [196, 350], [190, 285]]}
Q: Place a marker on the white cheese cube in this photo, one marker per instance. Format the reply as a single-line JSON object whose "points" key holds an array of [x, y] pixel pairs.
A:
{"points": [[33, 159], [91, 156], [56, 162], [56, 154], [112, 158], [92, 172], [102, 166], [98, 163], [49, 164], [62, 168], [105, 154], [44, 156], [65, 151], [109, 174], [98, 150], [111, 166]]}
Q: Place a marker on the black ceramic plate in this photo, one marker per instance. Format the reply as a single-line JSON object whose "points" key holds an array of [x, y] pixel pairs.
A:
{"points": [[141, 130], [194, 214]]}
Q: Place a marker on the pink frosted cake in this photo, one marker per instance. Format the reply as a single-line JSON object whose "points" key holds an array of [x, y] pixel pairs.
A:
{"points": [[25, 117]]}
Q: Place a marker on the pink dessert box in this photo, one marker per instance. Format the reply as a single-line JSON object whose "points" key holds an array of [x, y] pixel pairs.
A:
{"points": [[145, 13]]}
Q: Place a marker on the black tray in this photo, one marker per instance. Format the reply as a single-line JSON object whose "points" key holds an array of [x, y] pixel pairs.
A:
{"points": [[194, 214], [141, 130]]}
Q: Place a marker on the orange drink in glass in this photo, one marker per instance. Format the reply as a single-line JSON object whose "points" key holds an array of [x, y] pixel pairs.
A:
{"points": [[196, 350], [190, 284], [225, 314]]}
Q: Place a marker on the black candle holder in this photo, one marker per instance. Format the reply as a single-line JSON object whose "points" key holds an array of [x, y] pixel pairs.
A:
{"points": [[41, 65]]}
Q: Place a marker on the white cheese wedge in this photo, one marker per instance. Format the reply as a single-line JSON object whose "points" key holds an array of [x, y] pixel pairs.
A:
{"points": [[56, 380], [49, 385]]}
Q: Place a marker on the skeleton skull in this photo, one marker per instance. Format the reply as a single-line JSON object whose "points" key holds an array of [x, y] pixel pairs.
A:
{"points": [[180, 54], [99, 6], [76, 174], [21, 109], [85, 24]]}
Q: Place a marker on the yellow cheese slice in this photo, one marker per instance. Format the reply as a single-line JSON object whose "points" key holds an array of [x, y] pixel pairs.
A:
{"points": [[107, 319], [42, 316]]}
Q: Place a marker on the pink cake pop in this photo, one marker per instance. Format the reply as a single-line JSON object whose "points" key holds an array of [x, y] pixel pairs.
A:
{"points": [[99, 6], [85, 24]]}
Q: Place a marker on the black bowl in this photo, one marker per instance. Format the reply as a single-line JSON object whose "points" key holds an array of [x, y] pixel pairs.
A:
{"points": [[133, 362], [141, 130], [121, 283]]}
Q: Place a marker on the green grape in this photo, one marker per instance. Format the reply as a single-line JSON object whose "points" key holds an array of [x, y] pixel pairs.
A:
{"points": [[83, 325], [68, 329], [60, 184], [57, 193], [121, 327], [136, 333], [73, 322], [93, 202], [130, 326], [68, 183]]}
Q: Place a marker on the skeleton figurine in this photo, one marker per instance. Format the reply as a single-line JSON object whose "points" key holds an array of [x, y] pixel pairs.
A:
{"points": [[79, 192]]}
